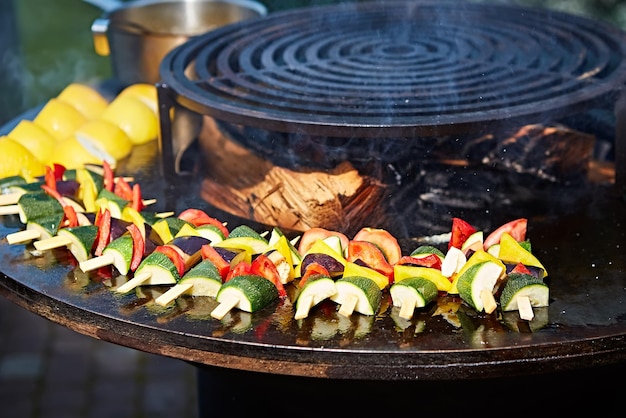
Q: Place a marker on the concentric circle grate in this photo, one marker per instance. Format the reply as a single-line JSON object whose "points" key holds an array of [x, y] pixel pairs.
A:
{"points": [[398, 68]]}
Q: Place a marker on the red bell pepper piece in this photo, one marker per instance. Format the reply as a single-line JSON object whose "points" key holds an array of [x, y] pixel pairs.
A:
{"points": [[198, 217], [123, 189], [58, 170], [52, 191], [263, 266], [371, 255], [240, 269], [313, 269], [71, 219], [173, 255], [138, 246], [50, 179], [103, 222], [108, 176], [136, 200], [209, 253], [516, 228], [520, 268], [387, 243], [461, 230], [430, 260]]}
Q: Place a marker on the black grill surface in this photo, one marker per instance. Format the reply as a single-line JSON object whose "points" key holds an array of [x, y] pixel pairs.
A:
{"points": [[398, 68]]}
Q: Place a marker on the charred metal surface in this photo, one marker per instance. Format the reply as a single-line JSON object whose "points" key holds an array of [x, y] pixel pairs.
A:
{"points": [[584, 326]]}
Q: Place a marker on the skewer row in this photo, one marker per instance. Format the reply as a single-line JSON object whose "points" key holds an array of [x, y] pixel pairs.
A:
{"points": [[197, 255]]}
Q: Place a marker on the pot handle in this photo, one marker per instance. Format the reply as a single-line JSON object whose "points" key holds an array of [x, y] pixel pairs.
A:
{"points": [[99, 29]]}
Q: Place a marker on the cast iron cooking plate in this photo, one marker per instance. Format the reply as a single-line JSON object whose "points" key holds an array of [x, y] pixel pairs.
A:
{"points": [[584, 326], [398, 68]]}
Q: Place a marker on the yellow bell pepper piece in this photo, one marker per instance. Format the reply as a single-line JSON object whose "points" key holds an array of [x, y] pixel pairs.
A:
{"points": [[512, 252]]}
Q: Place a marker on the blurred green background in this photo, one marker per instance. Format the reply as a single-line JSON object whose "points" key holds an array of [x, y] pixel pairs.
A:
{"points": [[47, 44]]}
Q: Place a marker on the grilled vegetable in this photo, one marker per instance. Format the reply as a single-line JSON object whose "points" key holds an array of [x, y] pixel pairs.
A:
{"points": [[403, 272], [316, 289], [354, 269], [357, 293], [79, 240], [249, 293], [31, 206], [328, 255], [522, 292], [201, 280], [156, 268], [387, 243], [412, 293], [38, 229], [246, 239], [476, 285], [512, 251], [118, 253]]}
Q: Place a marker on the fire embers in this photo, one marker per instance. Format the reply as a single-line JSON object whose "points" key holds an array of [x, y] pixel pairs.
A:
{"points": [[553, 153]]}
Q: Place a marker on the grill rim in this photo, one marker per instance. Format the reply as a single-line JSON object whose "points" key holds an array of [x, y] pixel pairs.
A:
{"points": [[192, 95]]}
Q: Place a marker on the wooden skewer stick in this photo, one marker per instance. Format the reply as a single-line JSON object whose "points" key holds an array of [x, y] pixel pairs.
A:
{"points": [[23, 236], [94, 263], [408, 307], [50, 243], [489, 301], [304, 306], [164, 214], [10, 198], [525, 308], [224, 307], [9, 210], [172, 293], [127, 179], [133, 283], [148, 202], [348, 306]]}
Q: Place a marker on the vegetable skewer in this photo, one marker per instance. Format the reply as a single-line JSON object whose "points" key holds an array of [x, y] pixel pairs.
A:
{"points": [[248, 293], [124, 252], [412, 293], [317, 285], [182, 252], [357, 293], [522, 292], [374, 257], [203, 279], [79, 240]]}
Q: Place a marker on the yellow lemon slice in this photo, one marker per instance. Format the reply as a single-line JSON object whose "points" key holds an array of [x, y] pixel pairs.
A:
{"points": [[134, 117], [105, 140], [87, 100], [34, 138], [72, 154], [17, 160], [145, 92], [59, 118]]}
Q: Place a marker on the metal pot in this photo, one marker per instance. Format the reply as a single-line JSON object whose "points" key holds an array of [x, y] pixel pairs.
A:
{"points": [[137, 35]]}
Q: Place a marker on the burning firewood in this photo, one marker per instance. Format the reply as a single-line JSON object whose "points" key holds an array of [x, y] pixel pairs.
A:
{"points": [[553, 153], [246, 185]]}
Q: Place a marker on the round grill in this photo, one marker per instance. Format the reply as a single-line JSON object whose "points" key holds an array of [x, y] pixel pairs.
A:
{"points": [[398, 68]]}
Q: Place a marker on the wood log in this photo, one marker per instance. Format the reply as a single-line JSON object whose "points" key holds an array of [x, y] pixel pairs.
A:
{"points": [[246, 185]]}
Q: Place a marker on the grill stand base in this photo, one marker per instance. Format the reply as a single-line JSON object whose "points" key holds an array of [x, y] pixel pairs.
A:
{"points": [[235, 393]]}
